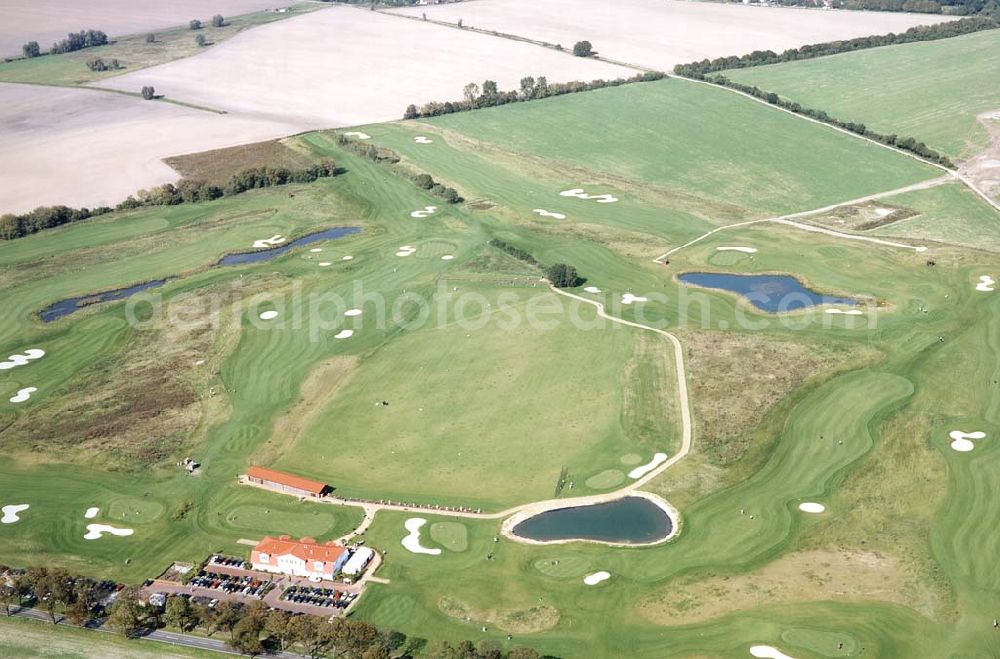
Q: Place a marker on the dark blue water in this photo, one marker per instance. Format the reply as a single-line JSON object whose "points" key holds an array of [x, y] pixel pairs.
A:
{"points": [[66, 307], [771, 293], [273, 252], [628, 520]]}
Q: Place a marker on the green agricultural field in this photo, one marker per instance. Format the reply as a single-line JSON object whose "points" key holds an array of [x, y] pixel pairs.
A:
{"points": [[443, 391], [931, 91]]}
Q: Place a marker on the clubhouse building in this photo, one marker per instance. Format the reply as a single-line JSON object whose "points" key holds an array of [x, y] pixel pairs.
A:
{"points": [[287, 483], [299, 558]]}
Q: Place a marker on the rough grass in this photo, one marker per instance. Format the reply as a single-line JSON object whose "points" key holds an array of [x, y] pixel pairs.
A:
{"points": [[219, 165]]}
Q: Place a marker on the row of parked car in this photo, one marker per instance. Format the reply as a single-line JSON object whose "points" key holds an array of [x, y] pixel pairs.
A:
{"points": [[229, 561], [248, 585], [325, 597]]}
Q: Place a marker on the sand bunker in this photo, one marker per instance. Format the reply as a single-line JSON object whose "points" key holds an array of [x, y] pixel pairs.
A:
{"points": [[406, 250], [268, 315], [544, 213], [316, 250], [274, 240], [347, 258], [21, 359], [91, 512], [447, 257], [358, 134], [849, 312], [985, 284], [642, 470], [960, 440], [592, 289], [95, 531], [23, 394], [628, 298], [352, 312], [10, 513], [811, 507], [579, 193], [883, 212], [745, 250], [427, 212], [344, 334], [325, 264], [412, 541], [768, 652], [420, 139], [596, 578]]}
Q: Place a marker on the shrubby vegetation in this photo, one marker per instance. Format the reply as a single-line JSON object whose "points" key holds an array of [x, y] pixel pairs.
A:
{"points": [[531, 89], [218, 21], [98, 64], [763, 57], [583, 49], [185, 192], [382, 155], [953, 7], [559, 275], [148, 92], [194, 24], [74, 41], [514, 251]]}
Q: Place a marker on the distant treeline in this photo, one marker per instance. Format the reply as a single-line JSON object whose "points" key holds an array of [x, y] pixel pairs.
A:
{"points": [[910, 144], [73, 41], [952, 7], [514, 251], [763, 57], [382, 155], [531, 89], [168, 194]]}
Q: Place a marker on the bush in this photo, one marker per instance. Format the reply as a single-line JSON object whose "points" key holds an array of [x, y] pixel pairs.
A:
{"points": [[148, 93], [79, 40], [562, 276], [583, 49], [514, 251], [218, 20], [31, 49], [150, 38], [98, 64], [201, 40], [195, 24]]}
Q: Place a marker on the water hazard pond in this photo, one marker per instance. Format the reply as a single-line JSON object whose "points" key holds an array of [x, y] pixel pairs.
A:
{"points": [[770, 293], [631, 520], [66, 307]]}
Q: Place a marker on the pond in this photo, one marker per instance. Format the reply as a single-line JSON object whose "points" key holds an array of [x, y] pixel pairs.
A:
{"points": [[268, 254], [631, 520], [66, 307], [770, 293]]}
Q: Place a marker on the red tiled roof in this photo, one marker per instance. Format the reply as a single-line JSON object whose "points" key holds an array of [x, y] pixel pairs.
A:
{"points": [[307, 549], [286, 479]]}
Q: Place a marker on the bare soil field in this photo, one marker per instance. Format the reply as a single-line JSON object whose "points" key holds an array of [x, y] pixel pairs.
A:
{"points": [[349, 67], [87, 148], [46, 21], [662, 33]]}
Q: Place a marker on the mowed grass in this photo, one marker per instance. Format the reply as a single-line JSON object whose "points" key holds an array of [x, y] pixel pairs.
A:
{"points": [[931, 90], [133, 52], [949, 214], [694, 139]]}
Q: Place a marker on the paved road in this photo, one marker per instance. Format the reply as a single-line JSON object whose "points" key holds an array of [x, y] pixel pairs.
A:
{"points": [[163, 636]]}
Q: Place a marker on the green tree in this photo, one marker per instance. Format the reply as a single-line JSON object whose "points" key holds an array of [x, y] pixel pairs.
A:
{"points": [[218, 20], [201, 40], [562, 275], [8, 593], [471, 93], [583, 49], [490, 89], [411, 112], [31, 49], [150, 38], [277, 624], [527, 87], [148, 92], [195, 24], [521, 652], [126, 614], [246, 635], [178, 613], [227, 615]]}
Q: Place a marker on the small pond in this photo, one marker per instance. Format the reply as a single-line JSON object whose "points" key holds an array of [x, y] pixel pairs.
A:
{"points": [[632, 520], [771, 293], [66, 307], [273, 252]]}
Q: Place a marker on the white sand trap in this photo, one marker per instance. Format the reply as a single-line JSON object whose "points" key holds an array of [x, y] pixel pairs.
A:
{"points": [[316, 250], [420, 139], [269, 315], [426, 212], [883, 212], [811, 507], [344, 334], [21, 359], [95, 531], [745, 250], [23, 394], [628, 298], [264, 243], [412, 541], [406, 250], [544, 213], [579, 193], [985, 284], [347, 258], [642, 470], [768, 652], [960, 440], [404, 253], [11, 513], [447, 257], [325, 264], [596, 578], [358, 134], [849, 312], [353, 312], [592, 289], [91, 512]]}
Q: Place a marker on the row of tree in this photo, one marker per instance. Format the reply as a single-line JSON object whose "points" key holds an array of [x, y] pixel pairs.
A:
{"points": [[910, 144], [763, 57], [381, 155], [559, 275], [99, 64], [168, 194], [56, 590], [531, 88], [74, 41], [427, 182], [952, 7]]}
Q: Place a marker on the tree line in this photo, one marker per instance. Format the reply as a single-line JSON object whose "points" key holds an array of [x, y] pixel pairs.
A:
{"points": [[764, 57], [952, 7], [910, 144], [185, 191], [559, 275], [489, 95], [74, 41], [381, 155]]}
